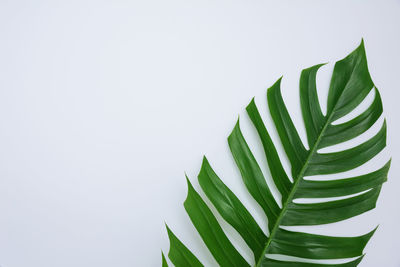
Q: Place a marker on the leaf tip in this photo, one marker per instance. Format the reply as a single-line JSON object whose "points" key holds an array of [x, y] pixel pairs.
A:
{"points": [[275, 87], [361, 258], [204, 163], [187, 179], [384, 131], [168, 230], [163, 260], [278, 82], [389, 163], [235, 131], [252, 101], [251, 105], [189, 184], [361, 49], [370, 234]]}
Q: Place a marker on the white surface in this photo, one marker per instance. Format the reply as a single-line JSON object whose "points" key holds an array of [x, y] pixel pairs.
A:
{"points": [[105, 104]]}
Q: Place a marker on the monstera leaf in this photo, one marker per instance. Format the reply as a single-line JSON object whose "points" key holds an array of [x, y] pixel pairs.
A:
{"points": [[350, 84]]}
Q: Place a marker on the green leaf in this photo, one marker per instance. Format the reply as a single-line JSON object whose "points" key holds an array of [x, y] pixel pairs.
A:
{"points": [[231, 209], [350, 84], [313, 118], [164, 261], [342, 187], [179, 254], [276, 263], [291, 141], [278, 174], [210, 231], [252, 175], [327, 247]]}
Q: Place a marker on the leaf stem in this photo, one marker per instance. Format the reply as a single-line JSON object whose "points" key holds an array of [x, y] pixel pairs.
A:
{"points": [[293, 190]]}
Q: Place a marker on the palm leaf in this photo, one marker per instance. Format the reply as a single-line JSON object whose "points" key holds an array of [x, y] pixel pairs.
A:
{"points": [[350, 84]]}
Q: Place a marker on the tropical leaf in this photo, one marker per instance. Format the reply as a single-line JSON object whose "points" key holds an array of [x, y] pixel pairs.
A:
{"points": [[350, 84], [164, 261]]}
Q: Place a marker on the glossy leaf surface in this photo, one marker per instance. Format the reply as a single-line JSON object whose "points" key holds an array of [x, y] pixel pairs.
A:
{"points": [[350, 84]]}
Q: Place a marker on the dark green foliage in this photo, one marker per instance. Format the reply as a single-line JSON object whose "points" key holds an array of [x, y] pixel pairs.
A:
{"points": [[350, 84]]}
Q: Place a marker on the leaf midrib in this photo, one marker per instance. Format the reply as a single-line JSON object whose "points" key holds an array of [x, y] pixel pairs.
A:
{"points": [[301, 173], [294, 188]]}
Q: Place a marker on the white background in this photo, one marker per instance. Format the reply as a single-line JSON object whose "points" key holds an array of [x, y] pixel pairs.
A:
{"points": [[105, 104]]}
